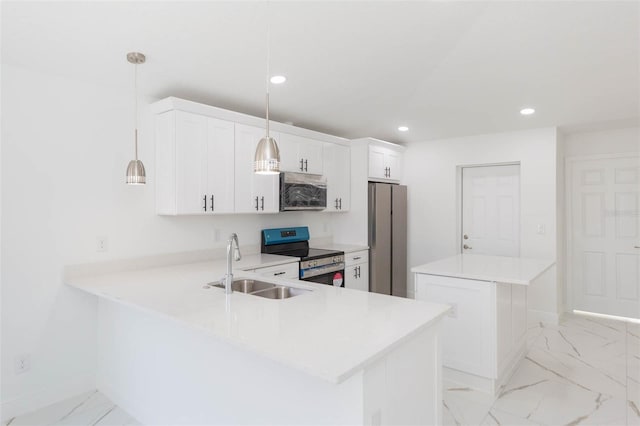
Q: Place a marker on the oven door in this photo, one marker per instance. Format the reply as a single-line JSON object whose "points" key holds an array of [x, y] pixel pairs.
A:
{"points": [[328, 276], [301, 191]]}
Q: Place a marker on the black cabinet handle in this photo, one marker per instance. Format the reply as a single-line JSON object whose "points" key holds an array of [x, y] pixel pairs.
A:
{"points": [[357, 258], [262, 203], [302, 164], [389, 172], [305, 166], [336, 204], [340, 203], [280, 273], [205, 202], [256, 203], [212, 204], [355, 272]]}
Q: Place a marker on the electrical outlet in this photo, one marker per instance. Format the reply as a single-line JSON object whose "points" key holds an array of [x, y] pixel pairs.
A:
{"points": [[376, 418], [540, 229], [22, 363], [102, 244], [453, 312]]}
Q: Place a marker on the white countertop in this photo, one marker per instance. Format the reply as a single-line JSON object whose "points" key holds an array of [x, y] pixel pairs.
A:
{"points": [[330, 333], [513, 270], [347, 248]]}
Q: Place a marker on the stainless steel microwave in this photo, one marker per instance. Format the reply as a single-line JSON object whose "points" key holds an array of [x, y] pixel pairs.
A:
{"points": [[302, 191]]}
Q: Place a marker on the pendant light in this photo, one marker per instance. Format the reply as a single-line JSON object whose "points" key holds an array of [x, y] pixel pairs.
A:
{"points": [[267, 158], [136, 174]]}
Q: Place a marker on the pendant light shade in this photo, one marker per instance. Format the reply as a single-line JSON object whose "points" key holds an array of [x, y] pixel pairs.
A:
{"points": [[136, 174], [267, 158], [267, 161]]}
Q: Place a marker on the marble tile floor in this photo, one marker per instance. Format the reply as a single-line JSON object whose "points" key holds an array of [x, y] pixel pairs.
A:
{"points": [[88, 409], [585, 371]]}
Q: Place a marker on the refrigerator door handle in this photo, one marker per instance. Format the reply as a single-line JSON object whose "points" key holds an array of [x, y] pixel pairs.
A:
{"points": [[372, 213]]}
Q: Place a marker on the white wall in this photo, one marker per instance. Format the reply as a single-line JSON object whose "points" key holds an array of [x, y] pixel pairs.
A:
{"points": [[65, 148], [610, 141], [431, 176]]}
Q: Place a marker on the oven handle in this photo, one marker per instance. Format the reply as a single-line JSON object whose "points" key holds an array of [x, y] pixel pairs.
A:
{"points": [[321, 270]]}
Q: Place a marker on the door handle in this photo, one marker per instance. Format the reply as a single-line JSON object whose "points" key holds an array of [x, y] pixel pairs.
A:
{"points": [[262, 203], [466, 247], [465, 236], [205, 202], [212, 203], [256, 203]]}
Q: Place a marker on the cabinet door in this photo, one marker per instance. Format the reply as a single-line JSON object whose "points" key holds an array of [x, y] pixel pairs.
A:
{"points": [[337, 170], [253, 193], [219, 155], [469, 329], [191, 172], [377, 166], [392, 162], [299, 154], [356, 277]]}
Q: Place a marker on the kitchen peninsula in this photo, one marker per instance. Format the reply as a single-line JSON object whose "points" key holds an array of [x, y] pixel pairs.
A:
{"points": [[173, 350], [484, 335]]}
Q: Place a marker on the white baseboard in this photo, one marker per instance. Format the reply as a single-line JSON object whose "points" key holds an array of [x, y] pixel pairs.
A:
{"points": [[39, 399], [534, 317]]}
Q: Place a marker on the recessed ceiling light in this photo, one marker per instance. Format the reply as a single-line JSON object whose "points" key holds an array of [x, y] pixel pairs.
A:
{"points": [[527, 111], [403, 128], [278, 79]]}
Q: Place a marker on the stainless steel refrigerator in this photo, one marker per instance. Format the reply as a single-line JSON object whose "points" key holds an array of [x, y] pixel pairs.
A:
{"points": [[388, 239]]}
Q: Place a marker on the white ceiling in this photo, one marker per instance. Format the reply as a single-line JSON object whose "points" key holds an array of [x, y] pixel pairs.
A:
{"points": [[354, 68]]}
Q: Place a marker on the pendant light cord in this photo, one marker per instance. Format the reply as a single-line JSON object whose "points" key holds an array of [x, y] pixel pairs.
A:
{"points": [[268, 60], [135, 108]]}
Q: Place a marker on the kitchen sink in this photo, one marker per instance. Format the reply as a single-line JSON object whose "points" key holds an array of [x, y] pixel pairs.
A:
{"points": [[280, 292], [246, 286], [262, 289]]}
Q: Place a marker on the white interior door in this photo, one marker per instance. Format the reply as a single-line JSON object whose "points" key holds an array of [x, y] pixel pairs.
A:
{"points": [[491, 210], [605, 234]]}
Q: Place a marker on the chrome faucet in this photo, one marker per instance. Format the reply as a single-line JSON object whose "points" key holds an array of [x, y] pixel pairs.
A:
{"points": [[228, 278]]}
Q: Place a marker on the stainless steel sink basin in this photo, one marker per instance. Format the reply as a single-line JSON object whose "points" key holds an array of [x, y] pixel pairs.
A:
{"points": [[280, 292], [247, 286], [262, 289]]}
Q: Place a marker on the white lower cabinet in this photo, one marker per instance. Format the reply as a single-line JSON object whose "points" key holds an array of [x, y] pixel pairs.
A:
{"points": [[356, 271], [483, 336], [288, 270]]}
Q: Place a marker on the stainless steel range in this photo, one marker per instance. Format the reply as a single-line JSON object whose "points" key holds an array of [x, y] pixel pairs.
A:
{"points": [[316, 265]]}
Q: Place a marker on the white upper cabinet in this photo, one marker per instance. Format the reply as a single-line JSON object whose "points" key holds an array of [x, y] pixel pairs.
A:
{"points": [[253, 193], [300, 154], [194, 164], [384, 163], [337, 170]]}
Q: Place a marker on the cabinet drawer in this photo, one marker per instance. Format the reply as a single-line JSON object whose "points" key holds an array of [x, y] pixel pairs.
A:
{"points": [[288, 270], [356, 257]]}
